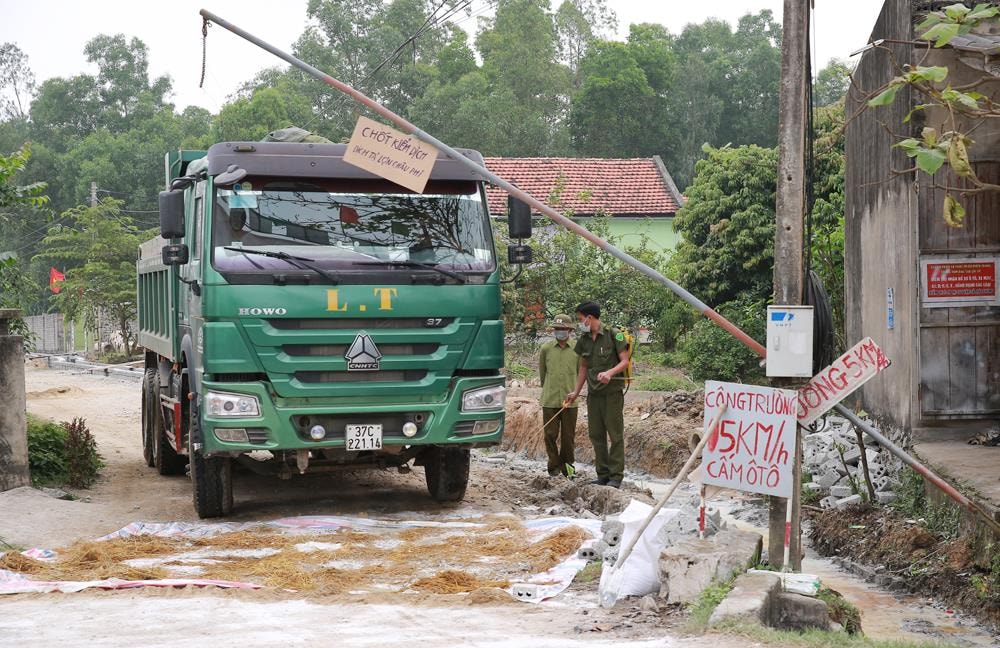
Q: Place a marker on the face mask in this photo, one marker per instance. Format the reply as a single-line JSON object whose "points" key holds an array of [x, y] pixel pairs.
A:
{"points": [[583, 326], [561, 334]]}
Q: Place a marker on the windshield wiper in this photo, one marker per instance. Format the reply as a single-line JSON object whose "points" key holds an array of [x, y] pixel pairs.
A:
{"points": [[414, 264], [302, 263]]}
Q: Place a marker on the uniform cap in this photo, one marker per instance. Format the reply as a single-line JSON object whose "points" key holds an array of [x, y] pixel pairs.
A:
{"points": [[562, 321]]}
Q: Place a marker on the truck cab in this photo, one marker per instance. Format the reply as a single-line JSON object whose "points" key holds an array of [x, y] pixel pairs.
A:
{"points": [[300, 314]]}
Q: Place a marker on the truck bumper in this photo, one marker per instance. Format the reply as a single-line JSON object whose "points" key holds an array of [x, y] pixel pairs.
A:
{"points": [[284, 423]]}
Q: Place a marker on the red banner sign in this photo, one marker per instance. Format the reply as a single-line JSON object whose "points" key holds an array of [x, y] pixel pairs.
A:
{"points": [[954, 282]]}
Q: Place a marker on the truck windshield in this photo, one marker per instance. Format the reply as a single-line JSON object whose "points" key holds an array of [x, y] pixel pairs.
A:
{"points": [[348, 225]]}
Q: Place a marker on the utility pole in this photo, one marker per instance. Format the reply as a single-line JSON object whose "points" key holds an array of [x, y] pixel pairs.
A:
{"points": [[93, 194], [789, 267]]}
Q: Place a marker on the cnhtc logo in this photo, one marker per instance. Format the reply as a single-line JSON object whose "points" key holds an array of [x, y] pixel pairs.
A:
{"points": [[363, 355]]}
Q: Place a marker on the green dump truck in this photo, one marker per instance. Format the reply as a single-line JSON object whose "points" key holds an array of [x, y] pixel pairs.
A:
{"points": [[300, 315]]}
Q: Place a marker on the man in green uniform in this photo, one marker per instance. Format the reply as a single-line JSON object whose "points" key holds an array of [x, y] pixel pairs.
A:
{"points": [[558, 365], [604, 354]]}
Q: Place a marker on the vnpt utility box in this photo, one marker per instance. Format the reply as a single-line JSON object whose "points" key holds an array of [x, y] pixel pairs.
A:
{"points": [[789, 341]]}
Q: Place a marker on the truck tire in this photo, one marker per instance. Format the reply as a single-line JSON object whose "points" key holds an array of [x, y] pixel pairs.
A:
{"points": [[447, 473], [211, 478], [149, 404], [165, 457]]}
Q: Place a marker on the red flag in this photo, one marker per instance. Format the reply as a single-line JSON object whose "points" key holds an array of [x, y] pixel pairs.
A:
{"points": [[55, 278], [349, 215]]}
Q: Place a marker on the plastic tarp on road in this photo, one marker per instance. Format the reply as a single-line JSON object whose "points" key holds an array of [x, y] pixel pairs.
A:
{"points": [[534, 589]]}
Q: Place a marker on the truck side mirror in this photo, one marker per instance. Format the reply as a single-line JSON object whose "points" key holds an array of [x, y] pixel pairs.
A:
{"points": [[518, 218], [176, 254], [519, 254], [171, 214]]}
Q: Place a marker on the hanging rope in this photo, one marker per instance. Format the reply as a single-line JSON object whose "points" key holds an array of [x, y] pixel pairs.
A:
{"points": [[204, 49]]}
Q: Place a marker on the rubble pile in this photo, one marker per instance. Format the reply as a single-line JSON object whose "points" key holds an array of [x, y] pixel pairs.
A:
{"points": [[843, 481], [688, 404]]}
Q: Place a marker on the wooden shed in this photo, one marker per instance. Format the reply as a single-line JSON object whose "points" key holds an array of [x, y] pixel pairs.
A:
{"points": [[925, 291]]}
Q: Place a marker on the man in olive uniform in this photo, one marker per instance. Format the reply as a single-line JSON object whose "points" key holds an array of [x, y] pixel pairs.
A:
{"points": [[558, 365], [604, 354]]}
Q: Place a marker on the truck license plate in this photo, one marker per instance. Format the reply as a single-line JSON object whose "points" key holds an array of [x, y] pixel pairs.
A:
{"points": [[363, 437]]}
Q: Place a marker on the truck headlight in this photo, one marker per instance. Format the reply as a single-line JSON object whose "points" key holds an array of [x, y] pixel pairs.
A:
{"points": [[223, 404], [484, 398]]}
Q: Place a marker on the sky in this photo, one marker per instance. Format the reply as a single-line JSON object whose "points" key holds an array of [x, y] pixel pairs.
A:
{"points": [[53, 33]]}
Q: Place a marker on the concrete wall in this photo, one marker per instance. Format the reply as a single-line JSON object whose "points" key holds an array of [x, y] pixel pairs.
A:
{"points": [[880, 229], [629, 230]]}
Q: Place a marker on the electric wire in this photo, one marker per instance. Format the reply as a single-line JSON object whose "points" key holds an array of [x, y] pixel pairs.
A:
{"points": [[816, 295]]}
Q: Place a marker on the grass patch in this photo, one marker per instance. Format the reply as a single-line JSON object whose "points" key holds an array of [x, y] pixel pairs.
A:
{"points": [[912, 502], [664, 382], [819, 638], [518, 371], [841, 611], [701, 610], [590, 573]]}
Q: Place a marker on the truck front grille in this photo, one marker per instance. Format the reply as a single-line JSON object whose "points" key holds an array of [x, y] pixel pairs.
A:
{"points": [[338, 350], [318, 377], [358, 323]]}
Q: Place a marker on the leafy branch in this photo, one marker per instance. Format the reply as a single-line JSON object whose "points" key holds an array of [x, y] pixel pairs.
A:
{"points": [[950, 144]]}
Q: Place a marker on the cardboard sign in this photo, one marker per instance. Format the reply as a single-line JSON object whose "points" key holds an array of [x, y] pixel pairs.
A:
{"points": [[960, 282], [842, 378], [753, 448], [391, 154]]}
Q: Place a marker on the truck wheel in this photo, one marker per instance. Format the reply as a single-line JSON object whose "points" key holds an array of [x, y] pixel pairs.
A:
{"points": [[211, 479], [149, 400], [447, 473], [165, 457]]}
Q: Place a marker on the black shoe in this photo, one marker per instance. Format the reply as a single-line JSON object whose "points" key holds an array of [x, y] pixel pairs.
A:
{"points": [[555, 473], [600, 481], [614, 483]]}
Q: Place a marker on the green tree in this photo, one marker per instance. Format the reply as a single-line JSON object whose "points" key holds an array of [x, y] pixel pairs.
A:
{"points": [[13, 194], [251, 119], [124, 91], [17, 83], [727, 225], [578, 24], [97, 247], [610, 113], [831, 83], [726, 89]]}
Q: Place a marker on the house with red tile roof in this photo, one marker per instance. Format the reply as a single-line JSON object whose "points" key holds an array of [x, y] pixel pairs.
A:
{"points": [[637, 193]]}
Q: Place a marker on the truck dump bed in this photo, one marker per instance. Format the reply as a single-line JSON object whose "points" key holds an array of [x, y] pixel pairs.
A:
{"points": [[157, 291]]}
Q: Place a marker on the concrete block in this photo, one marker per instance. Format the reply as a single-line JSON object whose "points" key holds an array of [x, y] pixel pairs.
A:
{"points": [[612, 532], [593, 552], [886, 497], [828, 502], [839, 491], [750, 601], [828, 478], [815, 486], [852, 455], [848, 501], [690, 566], [798, 612]]}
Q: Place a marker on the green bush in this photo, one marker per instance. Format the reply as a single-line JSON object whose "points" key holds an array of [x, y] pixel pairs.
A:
{"points": [[711, 353], [675, 320], [83, 464], [47, 452], [62, 453]]}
